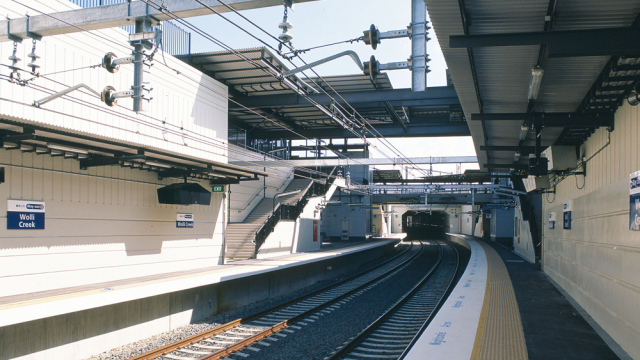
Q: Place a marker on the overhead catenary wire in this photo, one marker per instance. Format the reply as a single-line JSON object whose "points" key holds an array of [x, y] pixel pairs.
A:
{"points": [[365, 122], [213, 39], [204, 34]]}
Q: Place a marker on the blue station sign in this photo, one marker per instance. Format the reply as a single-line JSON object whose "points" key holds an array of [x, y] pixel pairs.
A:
{"points": [[184, 220], [25, 215]]}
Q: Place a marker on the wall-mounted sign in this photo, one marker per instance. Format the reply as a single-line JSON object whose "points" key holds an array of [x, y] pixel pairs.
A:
{"points": [[184, 220], [566, 215], [552, 220], [217, 188], [25, 215], [634, 201], [315, 230]]}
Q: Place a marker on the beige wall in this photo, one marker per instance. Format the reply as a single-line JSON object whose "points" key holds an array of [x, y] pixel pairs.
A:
{"points": [[105, 223], [101, 224], [598, 261]]}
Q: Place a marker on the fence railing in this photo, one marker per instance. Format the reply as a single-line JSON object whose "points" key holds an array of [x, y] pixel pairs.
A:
{"points": [[290, 212], [175, 40]]}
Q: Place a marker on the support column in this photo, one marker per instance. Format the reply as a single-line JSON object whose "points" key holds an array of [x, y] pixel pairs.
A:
{"points": [[419, 45]]}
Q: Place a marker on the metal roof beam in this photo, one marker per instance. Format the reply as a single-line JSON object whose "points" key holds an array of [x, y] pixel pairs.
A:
{"points": [[353, 97], [565, 43], [123, 14], [450, 128], [357, 161], [580, 120], [520, 149]]}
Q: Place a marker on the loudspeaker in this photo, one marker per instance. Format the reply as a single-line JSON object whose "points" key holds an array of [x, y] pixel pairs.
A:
{"points": [[184, 194]]}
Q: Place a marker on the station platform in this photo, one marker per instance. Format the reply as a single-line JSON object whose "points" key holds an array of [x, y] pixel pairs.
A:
{"points": [[81, 321], [504, 307]]}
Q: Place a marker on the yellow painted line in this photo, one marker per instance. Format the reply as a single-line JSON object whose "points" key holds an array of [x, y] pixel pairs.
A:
{"points": [[502, 333]]}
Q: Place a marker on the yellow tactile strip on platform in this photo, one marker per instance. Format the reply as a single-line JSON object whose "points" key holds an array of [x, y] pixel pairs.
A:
{"points": [[500, 335]]}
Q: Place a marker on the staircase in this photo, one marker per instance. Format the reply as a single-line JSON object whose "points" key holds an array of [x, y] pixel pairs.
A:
{"points": [[240, 235]]}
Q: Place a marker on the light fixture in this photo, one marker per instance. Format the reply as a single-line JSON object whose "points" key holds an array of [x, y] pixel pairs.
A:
{"points": [[523, 132], [534, 83], [634, 97], [67, 148], [152, 163]]}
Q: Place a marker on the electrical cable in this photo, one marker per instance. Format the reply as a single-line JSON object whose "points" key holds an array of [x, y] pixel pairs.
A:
{"points": [[388, 144], [210, 38]]}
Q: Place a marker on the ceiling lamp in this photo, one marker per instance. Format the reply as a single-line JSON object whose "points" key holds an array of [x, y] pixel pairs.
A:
{"points": [[534, 83], [634, 97], [523, 132]]}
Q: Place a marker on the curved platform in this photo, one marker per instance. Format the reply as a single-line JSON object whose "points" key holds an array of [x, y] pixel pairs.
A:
{"points": [[480, 319]]}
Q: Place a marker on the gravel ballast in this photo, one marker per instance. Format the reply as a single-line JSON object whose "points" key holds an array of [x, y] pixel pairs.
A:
{"points": [[139, 347]]}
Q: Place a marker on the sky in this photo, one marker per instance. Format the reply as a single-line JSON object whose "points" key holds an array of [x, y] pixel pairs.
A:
{"points": [[323, 22]]}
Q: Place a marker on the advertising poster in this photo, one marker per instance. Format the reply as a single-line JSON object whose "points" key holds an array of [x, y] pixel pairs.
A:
{"points": [[634, 201], [566, 216]]}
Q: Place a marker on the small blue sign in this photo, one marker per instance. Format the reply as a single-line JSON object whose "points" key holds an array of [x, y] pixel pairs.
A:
{"points": [[184, 220], [25, 215]]}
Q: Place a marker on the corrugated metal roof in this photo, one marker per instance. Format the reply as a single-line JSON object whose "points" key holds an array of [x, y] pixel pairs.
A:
{"points": [[503, 73], [248, 75]]}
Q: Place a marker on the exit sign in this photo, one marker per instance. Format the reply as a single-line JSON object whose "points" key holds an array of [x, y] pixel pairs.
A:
{"points": [[218, 188]]}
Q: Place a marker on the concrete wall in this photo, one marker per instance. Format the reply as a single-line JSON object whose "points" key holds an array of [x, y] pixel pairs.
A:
{"points": [[522, 240], [89, 332], [280, 241], [105, 223], [598, 261], [466, 220]]}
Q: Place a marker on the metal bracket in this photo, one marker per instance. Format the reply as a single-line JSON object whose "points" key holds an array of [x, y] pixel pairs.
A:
{"points": [[45, 100], [288, 3], [11, 37], [396, 65], [31, 34], [349, 53]]}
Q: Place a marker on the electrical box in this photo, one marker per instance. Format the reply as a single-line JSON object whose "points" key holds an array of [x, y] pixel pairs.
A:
{"points": [[560, 157], [538, 166], [533, 183]]}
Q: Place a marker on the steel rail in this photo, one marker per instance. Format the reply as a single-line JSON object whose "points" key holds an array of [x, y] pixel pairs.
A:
{"points": [[362, 336], [167, 349]]}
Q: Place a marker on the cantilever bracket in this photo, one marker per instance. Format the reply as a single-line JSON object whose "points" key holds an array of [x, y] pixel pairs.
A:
{"points": [[45, 100], [349, 53]]}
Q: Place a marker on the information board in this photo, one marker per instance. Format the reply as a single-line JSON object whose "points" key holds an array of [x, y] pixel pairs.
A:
{"points": [[184, 220], [25, 215], [634, 201]]}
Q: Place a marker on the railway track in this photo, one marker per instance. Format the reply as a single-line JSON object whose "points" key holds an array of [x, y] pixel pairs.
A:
{"points": [[392, 334], [264, 327]]}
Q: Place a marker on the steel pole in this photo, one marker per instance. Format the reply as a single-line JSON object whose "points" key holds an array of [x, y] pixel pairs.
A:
{"points": [[419, 45], [138, 70]]}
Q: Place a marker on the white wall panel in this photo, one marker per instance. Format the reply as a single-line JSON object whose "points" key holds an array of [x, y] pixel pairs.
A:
{"points": [[185, 116], [596, 261]]}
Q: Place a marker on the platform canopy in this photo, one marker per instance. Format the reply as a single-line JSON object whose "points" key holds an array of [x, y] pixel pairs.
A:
{"points": [[272, 108], [584, 55]]}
